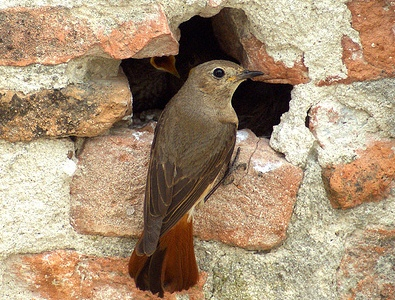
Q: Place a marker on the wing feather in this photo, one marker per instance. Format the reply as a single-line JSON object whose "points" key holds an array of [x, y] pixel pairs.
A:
{"points": [[195, 185]]}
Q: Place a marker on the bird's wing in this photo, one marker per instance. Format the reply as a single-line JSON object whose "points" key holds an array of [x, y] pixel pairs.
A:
{"points": [[173, 188]]}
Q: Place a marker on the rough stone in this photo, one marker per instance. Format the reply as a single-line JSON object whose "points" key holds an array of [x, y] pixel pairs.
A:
{"points": [[291, 137], [35, 218], [375, 57], [343, 116], [231, 29], [53, 35], [253, 212], [34, 179], [370, 177], [67, 274], [367, 267], [33, 77], [334, 124], [85, 109]]}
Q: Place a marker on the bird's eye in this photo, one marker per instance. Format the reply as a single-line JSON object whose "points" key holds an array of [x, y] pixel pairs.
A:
{"points": [[218, 73]]}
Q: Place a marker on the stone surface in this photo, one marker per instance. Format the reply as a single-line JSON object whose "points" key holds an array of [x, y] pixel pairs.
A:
{"points": [[54, 35], [335, 120], [253, 212], [126, 30], [335, 125], [35, 77], [67, 274], [370, 177], [34, 179], [87, 109], [35, 202], [367, 268], [375, 57], [291, 136], [231, 29]]}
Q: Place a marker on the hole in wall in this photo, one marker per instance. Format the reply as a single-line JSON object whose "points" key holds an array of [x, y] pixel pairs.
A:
{"points": [[258, 105]]}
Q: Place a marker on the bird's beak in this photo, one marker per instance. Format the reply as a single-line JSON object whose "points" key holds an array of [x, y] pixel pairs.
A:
{"points": [[248, 74], [165, 63], [245, 75]]}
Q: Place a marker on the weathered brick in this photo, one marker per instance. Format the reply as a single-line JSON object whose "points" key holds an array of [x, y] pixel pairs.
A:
{"points": [[86, 109], [374, 20], [54, 35], [253, 212], [368, 178], [107, 191], [70, 275]]}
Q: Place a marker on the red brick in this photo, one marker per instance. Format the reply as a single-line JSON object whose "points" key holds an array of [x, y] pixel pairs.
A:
{"points": [[253, 212], [368, 178], [107, 191], [54, 35], [70, 275], [374, 20], [367, 268]]}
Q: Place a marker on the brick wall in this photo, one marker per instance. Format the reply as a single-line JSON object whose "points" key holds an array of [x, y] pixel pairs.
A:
{"points": [[312, 214]]}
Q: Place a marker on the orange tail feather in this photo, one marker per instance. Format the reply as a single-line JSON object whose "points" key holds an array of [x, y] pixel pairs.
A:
{"points": [[172, 267]]}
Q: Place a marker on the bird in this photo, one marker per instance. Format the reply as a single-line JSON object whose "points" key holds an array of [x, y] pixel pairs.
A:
{"points": [[193, 143]]}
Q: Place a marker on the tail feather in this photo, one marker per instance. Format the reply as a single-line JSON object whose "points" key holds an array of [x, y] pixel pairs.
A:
{"points": [[172, 267]]}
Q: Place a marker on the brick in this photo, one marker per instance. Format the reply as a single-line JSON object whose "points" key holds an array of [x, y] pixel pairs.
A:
{"points": [[54, 35], [253, 212], [86, 109], [231, 28], [70, 275], [374, 20], [367, 268], [368, 178], [107, 190]]}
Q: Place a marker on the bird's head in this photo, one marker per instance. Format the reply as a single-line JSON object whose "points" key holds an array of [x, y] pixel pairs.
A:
{"points": [[220, 77]]}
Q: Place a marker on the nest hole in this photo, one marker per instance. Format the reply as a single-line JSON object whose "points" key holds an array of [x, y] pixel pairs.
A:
{"points": [[259, 105]]}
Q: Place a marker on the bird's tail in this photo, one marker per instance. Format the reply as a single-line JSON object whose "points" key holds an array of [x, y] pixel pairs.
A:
{"points": [[172, 267]]}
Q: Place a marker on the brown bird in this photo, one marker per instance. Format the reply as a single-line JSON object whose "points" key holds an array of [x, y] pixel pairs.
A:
{"points": [[194, 140]]}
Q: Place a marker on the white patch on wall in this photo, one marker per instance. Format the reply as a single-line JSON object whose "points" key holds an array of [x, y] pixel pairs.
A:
{"points": [[265, 167], [241, 135], [69, 167], [137, 135], [33, 77]]}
